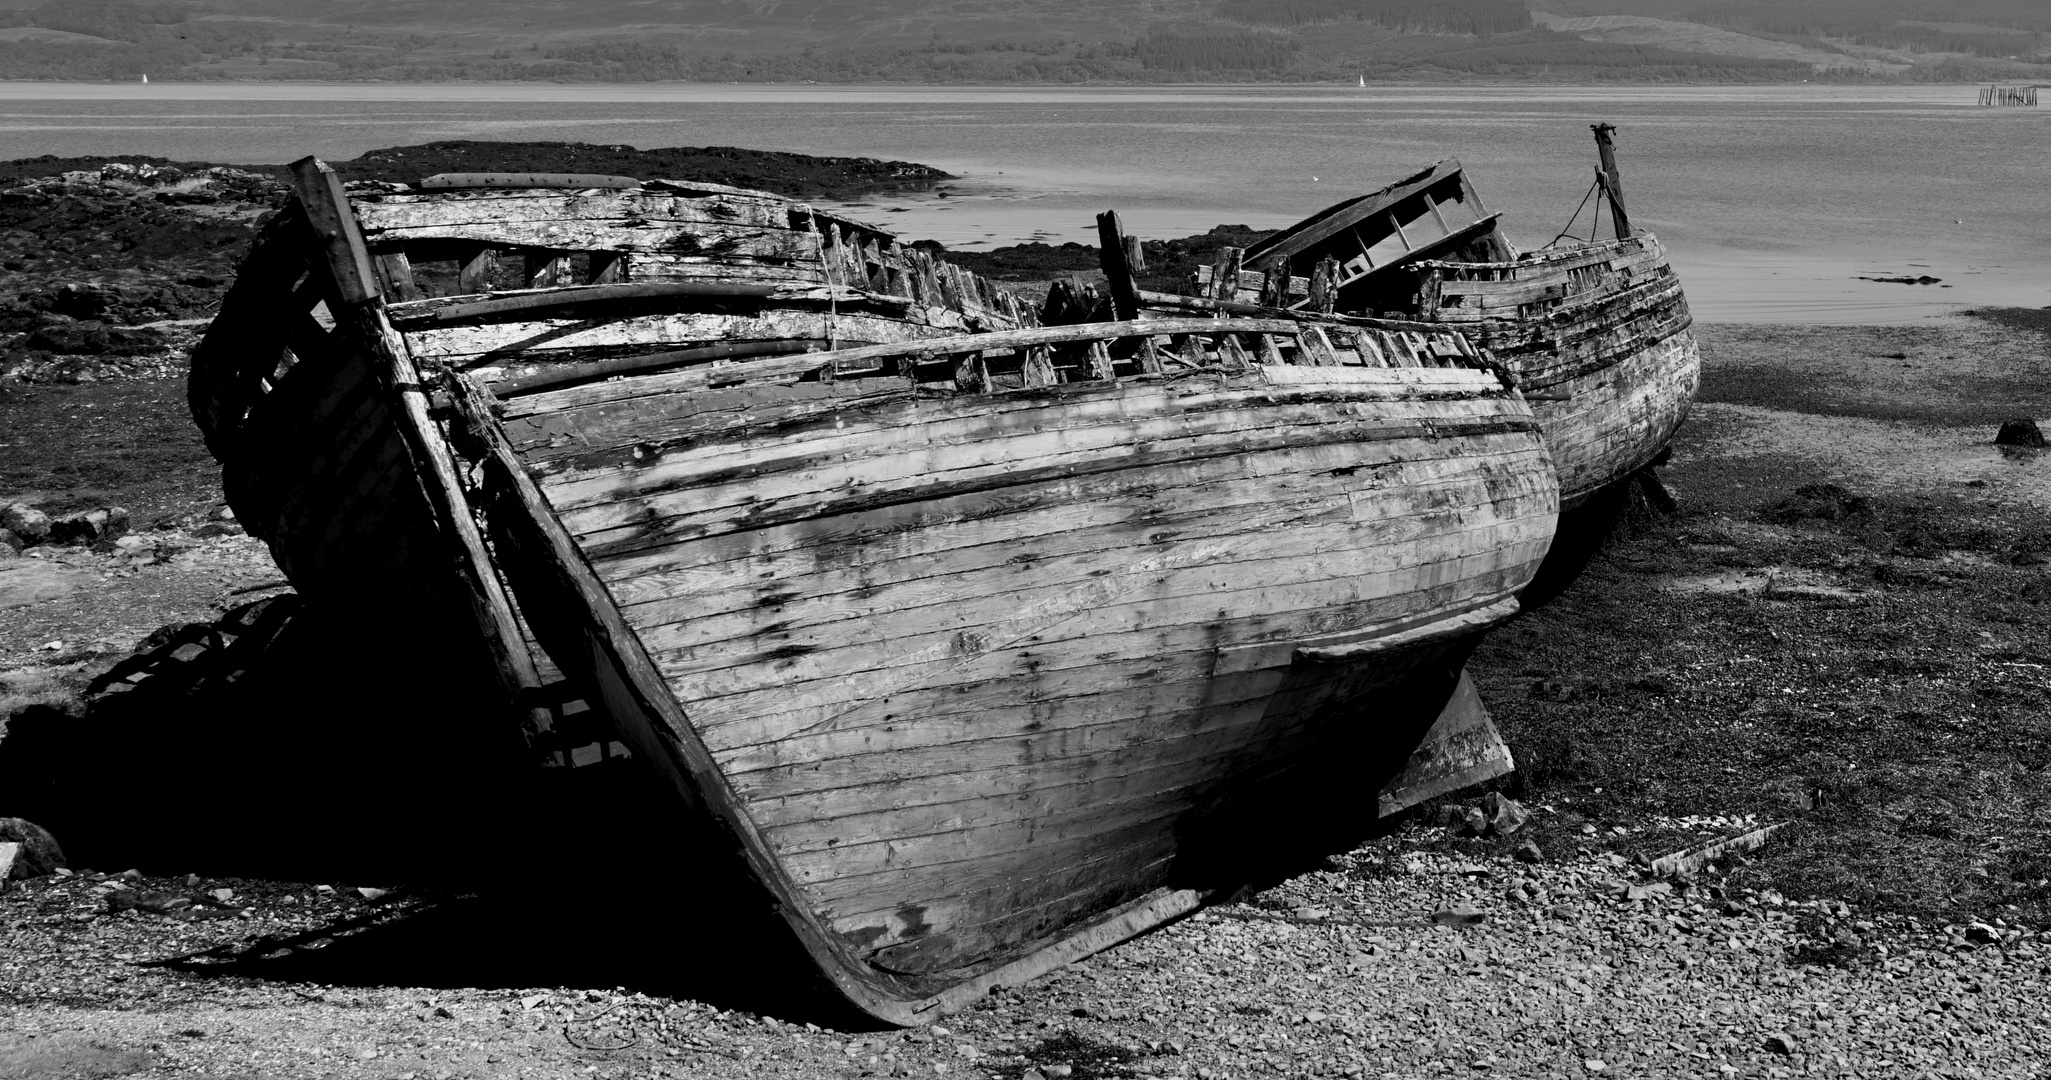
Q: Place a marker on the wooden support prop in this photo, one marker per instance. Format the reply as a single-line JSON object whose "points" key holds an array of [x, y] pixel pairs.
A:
{"points": [[1461, 749], [1613, 181], [362, 319], [1113, 254]]}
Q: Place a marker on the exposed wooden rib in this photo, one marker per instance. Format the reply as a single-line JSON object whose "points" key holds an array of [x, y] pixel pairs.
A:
{"points": [[328, 214]]}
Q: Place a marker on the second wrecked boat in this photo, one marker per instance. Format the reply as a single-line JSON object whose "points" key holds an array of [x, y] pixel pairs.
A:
{"points": [[1596, 331], [986, 644]]}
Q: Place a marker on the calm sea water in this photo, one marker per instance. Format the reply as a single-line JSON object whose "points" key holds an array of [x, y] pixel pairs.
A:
{"points": [[1773, 200]]}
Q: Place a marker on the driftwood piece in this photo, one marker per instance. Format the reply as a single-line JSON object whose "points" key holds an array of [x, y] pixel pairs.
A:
{"points": [[1691, 860]]}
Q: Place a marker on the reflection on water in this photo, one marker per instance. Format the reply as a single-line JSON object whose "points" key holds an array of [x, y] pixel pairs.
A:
{"points": [[1773, 200]]}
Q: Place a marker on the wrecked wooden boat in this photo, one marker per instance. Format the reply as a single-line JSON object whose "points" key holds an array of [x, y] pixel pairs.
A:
{"points": [[1597, 331], [983, 644]]}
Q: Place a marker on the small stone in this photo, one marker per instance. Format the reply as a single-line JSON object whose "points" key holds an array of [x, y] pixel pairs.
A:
{"points": [[324, 890], [224, 895], [1458, 915], [1504, 815], [1312, 914], [1780, 1042], [1058, 1070], [1980, 933], [370, 894], [1594, 1065], [1528, 852]]}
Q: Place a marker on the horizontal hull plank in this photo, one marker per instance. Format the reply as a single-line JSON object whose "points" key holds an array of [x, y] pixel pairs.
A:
{"points": [[844, 682], [964, 603], [934, 525], [1045, 700], [628, 526], [465, 346], [1015, 540], [947, 421], [946, 787], [400, 217], [995, 920]]}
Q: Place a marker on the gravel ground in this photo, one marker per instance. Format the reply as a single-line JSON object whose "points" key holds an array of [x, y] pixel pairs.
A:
{"points": [[1572, 967]]}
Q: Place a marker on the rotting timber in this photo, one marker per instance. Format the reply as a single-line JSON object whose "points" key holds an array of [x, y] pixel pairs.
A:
{"points": [[983, 643], [1597, 331]]}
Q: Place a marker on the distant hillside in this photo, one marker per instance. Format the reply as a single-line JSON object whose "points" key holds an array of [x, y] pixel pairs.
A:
{"points": [[1033, 41]]}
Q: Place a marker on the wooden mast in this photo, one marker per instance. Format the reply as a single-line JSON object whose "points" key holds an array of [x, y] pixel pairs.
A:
{"points": [[1612, 181]]}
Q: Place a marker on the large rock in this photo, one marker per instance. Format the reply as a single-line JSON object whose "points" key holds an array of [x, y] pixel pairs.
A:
{"points": [[25, 521], [79, 528], [39, 852], [2019, 433]]}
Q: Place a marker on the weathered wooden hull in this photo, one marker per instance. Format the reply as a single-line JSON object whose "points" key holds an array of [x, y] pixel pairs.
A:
{"points": [[1599, 337], [982, 653], [972, 673]]}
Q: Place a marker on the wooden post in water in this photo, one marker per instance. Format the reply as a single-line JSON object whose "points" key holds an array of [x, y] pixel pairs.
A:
{"points": [[1612, 181]]}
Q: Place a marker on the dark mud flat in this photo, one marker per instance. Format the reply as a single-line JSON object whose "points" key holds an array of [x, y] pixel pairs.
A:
{"points": [[803, 176], [1170, 263]]}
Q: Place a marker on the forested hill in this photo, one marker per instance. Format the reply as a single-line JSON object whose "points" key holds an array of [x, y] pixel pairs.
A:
{"points": [[983, 41]]}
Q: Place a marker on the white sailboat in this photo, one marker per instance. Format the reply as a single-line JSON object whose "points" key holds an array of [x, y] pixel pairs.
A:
{"points": [[145, 80], [1363, 81]]}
